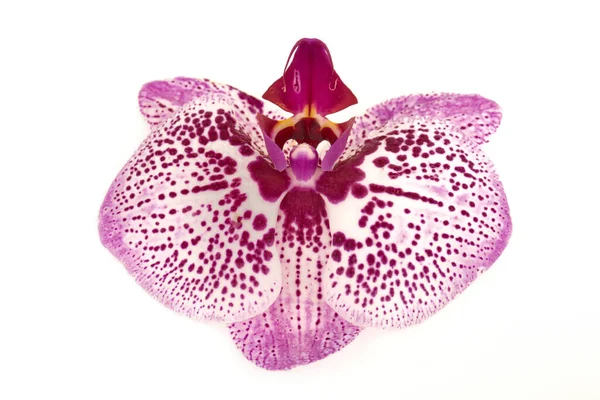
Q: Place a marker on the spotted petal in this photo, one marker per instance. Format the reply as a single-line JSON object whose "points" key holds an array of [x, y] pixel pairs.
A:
{"points": [[299, 327], [476, 116], [192, 215], [159, 100], [420, 214]]}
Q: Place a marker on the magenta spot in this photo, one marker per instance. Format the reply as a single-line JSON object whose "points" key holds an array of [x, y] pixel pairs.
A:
{"points": [[228, 165], [362, 222], [336, 184], [269, 237], [260, 222], [396, 192], [271, 183], [359, 191], [350, 245], [370, 259], [392, 144], [336, 255], [338, 239], [381, 162], [213, 186], [350, 272], [246, 151], [352, 260], [251, 100]]}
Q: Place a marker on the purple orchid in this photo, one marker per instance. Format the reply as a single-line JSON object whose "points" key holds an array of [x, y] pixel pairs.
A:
{"points": [[298, 231]]}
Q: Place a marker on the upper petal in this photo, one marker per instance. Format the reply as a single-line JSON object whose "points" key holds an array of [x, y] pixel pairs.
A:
{"points": [[159, 100], [192, 214], [474, 115], [416, 215]]}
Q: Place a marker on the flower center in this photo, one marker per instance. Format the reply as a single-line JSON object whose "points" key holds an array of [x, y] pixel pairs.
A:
{"points": [[310, 89], [305, 127]]}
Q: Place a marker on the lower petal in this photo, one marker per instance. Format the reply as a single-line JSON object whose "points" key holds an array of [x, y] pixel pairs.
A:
{"points": [[299, 328], [416, 216]]}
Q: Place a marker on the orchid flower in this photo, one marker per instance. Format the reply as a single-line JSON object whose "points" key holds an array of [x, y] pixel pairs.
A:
{"points": [[298, 231]]}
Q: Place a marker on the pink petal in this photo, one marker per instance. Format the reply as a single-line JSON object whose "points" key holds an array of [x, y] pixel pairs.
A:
{"points": [[192, 215], [299, 327], [418, 212], [161, 99], [476, 116]]}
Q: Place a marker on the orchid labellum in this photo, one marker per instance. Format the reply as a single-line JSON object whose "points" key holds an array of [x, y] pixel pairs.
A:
{"points": [[298, 231]]}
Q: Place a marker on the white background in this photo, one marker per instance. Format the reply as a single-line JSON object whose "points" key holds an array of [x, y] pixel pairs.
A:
{"points": [[74, 325]]}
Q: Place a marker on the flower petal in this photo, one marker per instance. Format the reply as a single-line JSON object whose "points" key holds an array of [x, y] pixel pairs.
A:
{"points": [[161, 99], [299, 327], [476, 116], [192, 215], [416, 214]]}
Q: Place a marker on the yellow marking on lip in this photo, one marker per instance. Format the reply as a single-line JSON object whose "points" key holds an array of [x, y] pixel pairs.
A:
{"points": [[325, 123], [307, 112]]}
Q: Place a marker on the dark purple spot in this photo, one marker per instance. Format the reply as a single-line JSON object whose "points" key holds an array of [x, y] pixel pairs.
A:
{"points": [[338, 239], [350, 272], [213, 186], [246, 151], [381, 162], [271, 183], [336, 255], [337, 183], [260, 222], [359, 191]]}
